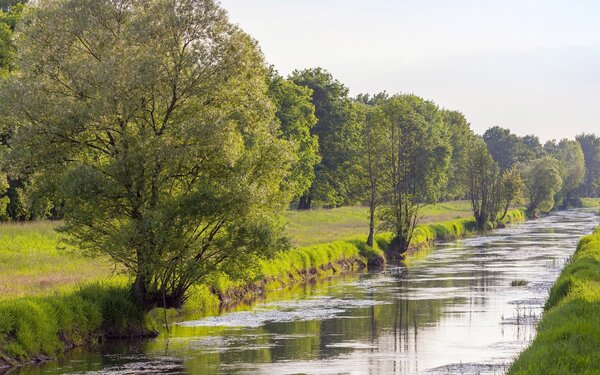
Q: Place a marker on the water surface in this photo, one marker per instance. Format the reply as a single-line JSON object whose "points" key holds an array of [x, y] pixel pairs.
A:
{"points": [[450, 310]]}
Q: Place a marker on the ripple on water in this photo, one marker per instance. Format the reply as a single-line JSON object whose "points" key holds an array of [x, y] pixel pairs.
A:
{"points": [[317, 308], [164, 365]]}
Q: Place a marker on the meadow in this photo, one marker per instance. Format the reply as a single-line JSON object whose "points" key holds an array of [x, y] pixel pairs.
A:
{"points": [[34, 260]]}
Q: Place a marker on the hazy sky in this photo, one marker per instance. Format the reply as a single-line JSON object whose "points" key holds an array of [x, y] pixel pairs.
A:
{"points": [[531, 66]]}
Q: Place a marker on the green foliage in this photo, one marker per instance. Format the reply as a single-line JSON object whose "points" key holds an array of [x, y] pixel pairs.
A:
{"points": [[417, 166], [30, 327], [503, 146], [590, 145], [485, 185], [338, 132], [590, 202], [374, 150], [572, 167], [568, 335], [543, 181], [174, 164], [507, 149], [10, 14], [460, 135], [296, 116]]}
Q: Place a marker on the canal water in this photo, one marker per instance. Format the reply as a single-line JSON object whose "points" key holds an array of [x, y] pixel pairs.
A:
{"points": [[449, 310]]}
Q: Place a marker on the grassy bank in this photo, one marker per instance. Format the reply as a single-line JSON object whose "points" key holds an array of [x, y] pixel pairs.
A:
{"points": [[590, 202], [38, 321], [569, 332]]}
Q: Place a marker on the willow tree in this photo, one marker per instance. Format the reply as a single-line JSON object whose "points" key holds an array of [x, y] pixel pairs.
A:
{"points": [[153, 117], [417, 165], [374, 150], [483, 184]]}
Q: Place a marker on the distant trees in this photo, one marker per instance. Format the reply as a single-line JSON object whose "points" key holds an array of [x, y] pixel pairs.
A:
{"points": [[508, 149], [154, 119], [295, 114], [460, 136], [503, 146], [338, 133], [590, 145], [572, 170], [542, 177], [511, 189]]}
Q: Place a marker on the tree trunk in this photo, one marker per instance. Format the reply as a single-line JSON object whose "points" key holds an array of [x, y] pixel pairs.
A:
{"points": [[140, 292], [371, 236], [399, 245], [305, 202]]}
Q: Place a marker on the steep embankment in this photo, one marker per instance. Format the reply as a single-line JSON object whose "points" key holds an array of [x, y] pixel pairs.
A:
{"points": [[38, 328], [569, 332]]}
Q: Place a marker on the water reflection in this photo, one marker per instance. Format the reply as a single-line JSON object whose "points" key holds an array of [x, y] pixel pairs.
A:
{"points": [[451, 310]]}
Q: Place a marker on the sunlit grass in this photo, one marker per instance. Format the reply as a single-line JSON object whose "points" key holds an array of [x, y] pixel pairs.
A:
{"points": [[34, 261], [590, 202], [569, 333], [325, 225]]}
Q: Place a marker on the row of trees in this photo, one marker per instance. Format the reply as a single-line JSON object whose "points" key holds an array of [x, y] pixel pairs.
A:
{"points": [[159, 134]]}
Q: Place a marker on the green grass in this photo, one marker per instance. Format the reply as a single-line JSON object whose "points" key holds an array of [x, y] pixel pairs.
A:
{"points": [[569, 333], [44, 326], [325, 225], [590, 202], [34, 261]]}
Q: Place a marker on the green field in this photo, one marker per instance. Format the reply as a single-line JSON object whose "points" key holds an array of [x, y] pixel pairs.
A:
{"points": [[324, 225], [34, 261]]}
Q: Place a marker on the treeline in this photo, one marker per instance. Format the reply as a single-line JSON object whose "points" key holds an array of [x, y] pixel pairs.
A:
{"points": [[158, 133]]}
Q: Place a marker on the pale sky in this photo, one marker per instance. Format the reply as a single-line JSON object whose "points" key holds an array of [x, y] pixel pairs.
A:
{"points": [[530, 66]]}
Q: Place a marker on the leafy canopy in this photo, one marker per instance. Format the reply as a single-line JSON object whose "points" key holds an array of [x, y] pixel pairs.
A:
{"points": [[153, 119]]}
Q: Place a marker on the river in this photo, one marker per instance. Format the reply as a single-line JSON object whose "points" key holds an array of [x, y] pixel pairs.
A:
{"points": [[449, 310]]}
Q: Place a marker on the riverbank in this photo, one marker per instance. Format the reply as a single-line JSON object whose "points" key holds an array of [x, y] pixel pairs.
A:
{"points": [[38, 328], [569, 332]]}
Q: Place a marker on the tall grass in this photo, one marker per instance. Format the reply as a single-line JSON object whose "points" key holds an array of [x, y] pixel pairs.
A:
{"points": [[37, 327], [569, 333], [35, 261]]}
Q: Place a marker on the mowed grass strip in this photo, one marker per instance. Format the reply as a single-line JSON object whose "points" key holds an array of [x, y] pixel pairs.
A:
{"points": [[569, 332]]}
